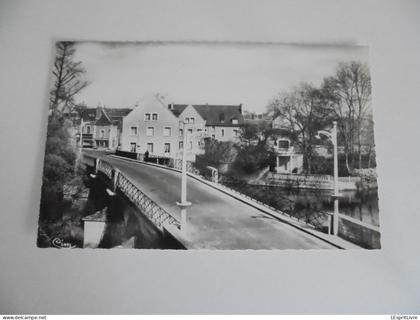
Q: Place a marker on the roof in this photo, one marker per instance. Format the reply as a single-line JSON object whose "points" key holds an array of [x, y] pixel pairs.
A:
{"points": [[264, 123], [108, 116], [177, 109], [103, 120], [88, 114], [117, 114], [282, 133], [214, 115]]}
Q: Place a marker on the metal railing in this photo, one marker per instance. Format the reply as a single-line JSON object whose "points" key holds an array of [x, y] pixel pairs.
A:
{"points": [[106, 168], [156, 214]]}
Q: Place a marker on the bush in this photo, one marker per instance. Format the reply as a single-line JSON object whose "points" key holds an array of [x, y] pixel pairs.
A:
{"points": [[59, 165], [252, 158]]}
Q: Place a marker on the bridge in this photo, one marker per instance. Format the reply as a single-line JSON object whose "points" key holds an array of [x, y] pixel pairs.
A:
{"points": [[218, 217]]}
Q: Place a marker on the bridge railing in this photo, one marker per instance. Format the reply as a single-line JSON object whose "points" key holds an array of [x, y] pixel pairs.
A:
{"points": [[106, 168], [156, 214]]}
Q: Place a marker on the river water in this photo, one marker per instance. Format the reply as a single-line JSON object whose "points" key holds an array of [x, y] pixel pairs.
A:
{"points": [[312, 207]]}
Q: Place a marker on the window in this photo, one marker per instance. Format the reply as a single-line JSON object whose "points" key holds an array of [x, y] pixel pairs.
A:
{"points": [[150, 147], [223, 132], [154, 116], [102, 133], [167, 147], [199, 130], [236, 132], [187, 120], [133, 131], [181, 145], [190, 144], [88, 129], [213, 128], [213, 136], [150, 131], [167, 131], [190, 131], [181, 132], [222, 117], [147, 117], [283, 144], [133, 147], [192, 120], [234, 121]]}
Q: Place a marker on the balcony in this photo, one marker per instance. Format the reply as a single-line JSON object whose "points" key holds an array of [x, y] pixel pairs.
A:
{"points": [[87, 136], [284, 151]]}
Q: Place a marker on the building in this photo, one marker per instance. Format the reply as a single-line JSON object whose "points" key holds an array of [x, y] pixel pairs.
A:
{"points": [[222, 122], [159, 128], [194, 125], [288, 157], [101, 127], [151, 127]]}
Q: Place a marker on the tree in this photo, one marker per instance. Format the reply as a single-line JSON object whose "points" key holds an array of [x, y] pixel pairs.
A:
{"points": [[219, 151], [60, 156], [253, 133], [303, 115], [349, 97], [252, 158], [67, 78]]}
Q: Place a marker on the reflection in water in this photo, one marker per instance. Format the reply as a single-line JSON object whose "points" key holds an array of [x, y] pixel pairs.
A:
{"points": [[312, 207], [362, 206]]}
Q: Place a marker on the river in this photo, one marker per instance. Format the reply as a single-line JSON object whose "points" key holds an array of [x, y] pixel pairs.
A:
{"points": [[311, 206]]}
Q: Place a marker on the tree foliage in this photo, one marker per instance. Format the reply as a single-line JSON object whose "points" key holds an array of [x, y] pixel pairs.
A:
{"points": [[252, 158], [303, 115], [344, 97], [59, 166], [60, 156], [219, 151]]}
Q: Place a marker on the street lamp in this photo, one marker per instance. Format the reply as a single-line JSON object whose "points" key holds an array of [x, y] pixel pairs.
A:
{"points": [[333, 138], [184, 204]]}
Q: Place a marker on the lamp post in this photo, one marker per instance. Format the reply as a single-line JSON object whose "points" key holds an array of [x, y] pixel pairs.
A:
{"points": [[184, 204], [333, 137]]}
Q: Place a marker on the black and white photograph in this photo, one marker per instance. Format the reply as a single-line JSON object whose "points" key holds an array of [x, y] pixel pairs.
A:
{"points": [[209, 145]]}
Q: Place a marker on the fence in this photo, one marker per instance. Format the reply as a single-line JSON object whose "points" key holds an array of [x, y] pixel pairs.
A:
{"points": [[311, 181], [147, 206], [260, 194]]}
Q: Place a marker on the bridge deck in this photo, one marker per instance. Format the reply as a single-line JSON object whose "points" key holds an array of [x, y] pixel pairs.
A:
{"points": [[215, 220]]}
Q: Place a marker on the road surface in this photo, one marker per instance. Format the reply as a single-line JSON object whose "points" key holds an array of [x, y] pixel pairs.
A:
{"points": [[215, 219]]}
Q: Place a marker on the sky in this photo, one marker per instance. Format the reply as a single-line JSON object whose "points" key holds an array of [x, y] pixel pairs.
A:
{"points": [[121, 74]]}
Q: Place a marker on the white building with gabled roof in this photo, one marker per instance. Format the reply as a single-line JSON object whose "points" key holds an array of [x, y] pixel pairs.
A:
{"points": [[151, 127]]}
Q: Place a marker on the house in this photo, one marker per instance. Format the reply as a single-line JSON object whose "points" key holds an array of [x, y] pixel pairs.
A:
{"points": [[222, 122], [288, 157], [159, 128], [190, 120], [151, 127], [101, 127]]}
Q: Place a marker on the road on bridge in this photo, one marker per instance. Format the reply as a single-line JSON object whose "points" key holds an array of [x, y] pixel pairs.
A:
{"points": [[215, 219]]}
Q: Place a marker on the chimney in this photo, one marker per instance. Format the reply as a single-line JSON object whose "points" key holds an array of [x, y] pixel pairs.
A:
{"points": [[240, 108], [171, 106]]}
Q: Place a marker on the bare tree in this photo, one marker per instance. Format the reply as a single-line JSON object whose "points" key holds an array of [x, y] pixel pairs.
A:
{"points": [[67, 78], [303, 115], [349, 96]]}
